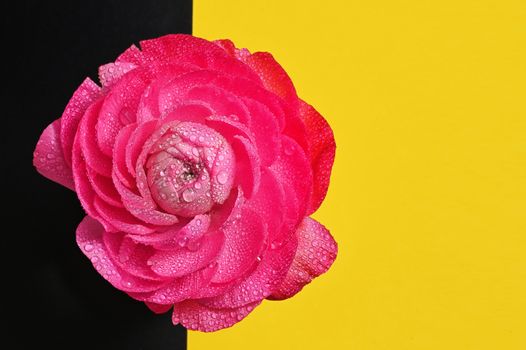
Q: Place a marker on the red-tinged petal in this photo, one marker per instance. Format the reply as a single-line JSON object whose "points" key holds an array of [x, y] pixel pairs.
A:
{"points": [[49, 159], [158, 308], [120, 218], [90, 240], [315, 254], [95, 159], [322, 148], [85, 95], [110, 73], [192, 257], [194, 316], [226, 45], [120, 171], [104, 188], [272, 75], [221, 102], [266, 278], [248, 165], [293, 170], [120, 108], [136, 142], [243, 242], [265, 128]]}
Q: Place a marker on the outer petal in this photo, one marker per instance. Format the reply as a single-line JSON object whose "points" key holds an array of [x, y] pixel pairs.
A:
{"points": [[48, 157], [315, 254], [89, 239], [110, 73], [266, 278], [292, 170], [185, 260], [322, 148], [272, 74], [158, 308], [243, 241], [84, 96], [192, 315]]}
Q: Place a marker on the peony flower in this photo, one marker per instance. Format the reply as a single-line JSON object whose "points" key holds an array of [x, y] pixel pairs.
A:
{"points": [[198, 167]]}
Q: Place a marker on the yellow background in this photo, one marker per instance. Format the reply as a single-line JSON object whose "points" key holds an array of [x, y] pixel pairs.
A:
{"points": [[428, 194]]}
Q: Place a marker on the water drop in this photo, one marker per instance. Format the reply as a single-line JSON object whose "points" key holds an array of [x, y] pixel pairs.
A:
{"points": [[182, 241], [222, 177], [195, 152], [197, 185], [189, 195], [50, 156], [88, 247]]}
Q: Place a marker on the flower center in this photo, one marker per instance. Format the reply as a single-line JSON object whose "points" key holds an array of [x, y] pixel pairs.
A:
{"points": [[190, 168]]}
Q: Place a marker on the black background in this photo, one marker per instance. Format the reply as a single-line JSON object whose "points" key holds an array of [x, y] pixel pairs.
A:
{"points": [[53, 295]]}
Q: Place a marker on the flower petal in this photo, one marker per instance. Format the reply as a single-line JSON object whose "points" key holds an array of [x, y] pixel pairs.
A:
{"points": [[265, 279], [248, 165], [243, 242], [293, 170], [315, 254], [110, 73], [104, 188], [265, 128], [194, 316], [48, 157], [90, 240], [272, 75], [187, 259], [120, 218], [221, 102], [158, 308], [82, 98], [322, 148], [119, 108], [95, 159]]}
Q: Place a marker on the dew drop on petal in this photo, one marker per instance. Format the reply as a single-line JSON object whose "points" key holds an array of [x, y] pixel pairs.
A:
{"points": [[222, 177], [88, 247], [189, 195]]}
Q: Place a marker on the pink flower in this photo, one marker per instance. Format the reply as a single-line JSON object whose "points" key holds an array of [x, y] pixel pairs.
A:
{"points": [[197, 165]]}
